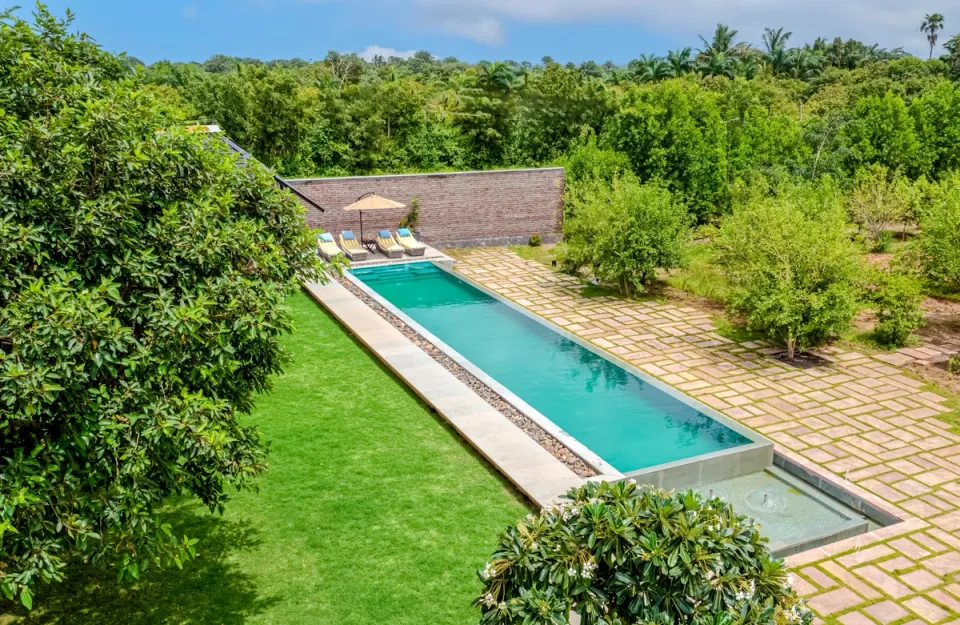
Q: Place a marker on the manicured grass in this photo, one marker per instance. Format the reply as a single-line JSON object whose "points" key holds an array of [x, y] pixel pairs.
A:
{"points": [[373, 511], [542, 253]]}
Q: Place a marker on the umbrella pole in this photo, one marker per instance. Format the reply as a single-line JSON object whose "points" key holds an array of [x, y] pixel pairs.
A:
{"points": [[361, 225]]}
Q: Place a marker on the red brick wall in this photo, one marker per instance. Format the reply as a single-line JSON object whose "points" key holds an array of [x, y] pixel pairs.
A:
{"points": [[465, 208]]}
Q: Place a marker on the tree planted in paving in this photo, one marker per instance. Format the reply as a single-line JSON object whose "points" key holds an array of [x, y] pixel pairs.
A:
{"points": [[620, 554], [142, 284], [794, 267]]}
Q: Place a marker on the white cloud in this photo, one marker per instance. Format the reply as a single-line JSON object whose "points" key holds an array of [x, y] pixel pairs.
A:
{"points": [[386, 53], [891, 23], [189, 12]]}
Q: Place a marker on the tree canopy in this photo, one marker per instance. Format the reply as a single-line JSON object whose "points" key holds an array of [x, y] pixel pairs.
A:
{"points": [[142, 284]]}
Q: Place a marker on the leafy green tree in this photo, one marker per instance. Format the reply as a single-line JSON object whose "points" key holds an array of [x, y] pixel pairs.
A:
{"points": [[936, 115], [142, 285], [938, 246], [624, 232], [588, 163], [880, 200], [897, 299], [558, 106], [931, 26], [882, 132], [619, 553], [673, 131], [793, 265]]}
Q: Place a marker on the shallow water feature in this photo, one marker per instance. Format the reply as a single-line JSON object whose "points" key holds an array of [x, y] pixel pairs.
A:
{"points": [[794, 515]]}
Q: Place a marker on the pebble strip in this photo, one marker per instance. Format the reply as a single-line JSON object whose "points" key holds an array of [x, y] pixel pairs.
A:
{"points": [[557, 449]]}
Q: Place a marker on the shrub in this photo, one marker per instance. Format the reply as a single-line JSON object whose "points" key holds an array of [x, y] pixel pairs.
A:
{"points": [[620, 554], [536, 240], [793, 266], [143, 277], [412, 218], [883, 242], [897, 299], [938, 246], [625, 231], [879, 202], [953, 365]]}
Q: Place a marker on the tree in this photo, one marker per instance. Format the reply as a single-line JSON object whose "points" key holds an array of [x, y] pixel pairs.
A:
{"points": [[794, 268], [880, 200], [883, 132], [938, 246], [625, 231], [775, 42], [619, 553], [931, 26], [142, 285], [680, 62], [673, 131], [897, 299], [936, 117]]}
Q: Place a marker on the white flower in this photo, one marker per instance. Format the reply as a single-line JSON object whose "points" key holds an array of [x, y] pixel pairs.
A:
{"points": [[789, 583], [489, 601], [632, 481], [489, 572], [502, 605], [571, 571], [533, 546]]}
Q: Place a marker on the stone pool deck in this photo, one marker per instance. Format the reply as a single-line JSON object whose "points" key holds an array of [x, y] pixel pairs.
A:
{"points": [[860, 422], [517, 456]]}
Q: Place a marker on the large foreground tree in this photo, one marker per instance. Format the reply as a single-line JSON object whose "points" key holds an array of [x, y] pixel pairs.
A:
{"points": [[142, 282]]}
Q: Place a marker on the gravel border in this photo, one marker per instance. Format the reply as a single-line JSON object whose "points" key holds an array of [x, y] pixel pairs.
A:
{"points": [[557, 449]]}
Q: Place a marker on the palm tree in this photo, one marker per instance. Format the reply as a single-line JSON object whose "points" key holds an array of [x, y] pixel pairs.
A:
{"points": [[775, 39], [953, 45], [722, 43], [931, 26], [804, 64], [679, 61]]}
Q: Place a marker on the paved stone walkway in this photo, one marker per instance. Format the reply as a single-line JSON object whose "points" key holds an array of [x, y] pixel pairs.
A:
{"points": [[860, 419]]}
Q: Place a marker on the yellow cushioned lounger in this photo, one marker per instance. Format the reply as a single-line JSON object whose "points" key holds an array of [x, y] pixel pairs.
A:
{"points": [[387, 246], [327, 246], [409, 244], [351, 247]]}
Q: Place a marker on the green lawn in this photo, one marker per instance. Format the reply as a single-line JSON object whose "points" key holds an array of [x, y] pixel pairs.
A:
{"points": [[373, 512]]}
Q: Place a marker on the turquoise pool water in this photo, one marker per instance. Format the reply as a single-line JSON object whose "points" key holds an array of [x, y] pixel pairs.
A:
{"points": [[628, 422]]}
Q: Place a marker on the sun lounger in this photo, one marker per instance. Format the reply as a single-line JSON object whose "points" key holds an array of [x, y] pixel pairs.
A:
{"points": [[351, 247], [387, 246], [327, 246], [409, 244]]}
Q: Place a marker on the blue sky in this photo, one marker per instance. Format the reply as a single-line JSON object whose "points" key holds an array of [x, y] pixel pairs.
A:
{"points": [[567, 30]]}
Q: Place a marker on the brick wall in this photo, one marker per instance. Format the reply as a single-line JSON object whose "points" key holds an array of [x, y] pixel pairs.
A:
{"points": [[464, 208]]}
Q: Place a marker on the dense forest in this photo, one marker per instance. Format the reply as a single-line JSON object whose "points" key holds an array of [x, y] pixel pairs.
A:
{"points": [[702, 120], [785, 163]]}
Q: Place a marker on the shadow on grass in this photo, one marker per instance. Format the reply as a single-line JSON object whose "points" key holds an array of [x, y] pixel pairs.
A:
{"points": [[209, 590]]}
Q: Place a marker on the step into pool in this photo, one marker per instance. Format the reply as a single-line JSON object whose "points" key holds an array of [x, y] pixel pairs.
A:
{"points": [[619, 418]]}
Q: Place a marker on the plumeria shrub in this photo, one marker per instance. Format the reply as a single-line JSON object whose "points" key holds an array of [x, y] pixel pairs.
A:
{"points": [[620, 553]]}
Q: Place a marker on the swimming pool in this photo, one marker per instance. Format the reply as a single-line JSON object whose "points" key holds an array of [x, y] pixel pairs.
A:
{"points": [[630, 421]]}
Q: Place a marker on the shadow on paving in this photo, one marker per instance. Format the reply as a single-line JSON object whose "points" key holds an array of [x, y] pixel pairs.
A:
{"points": [[209, 589]]}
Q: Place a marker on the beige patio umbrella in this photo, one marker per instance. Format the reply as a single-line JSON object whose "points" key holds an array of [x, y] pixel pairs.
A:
{"points": [[371, 202]]}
